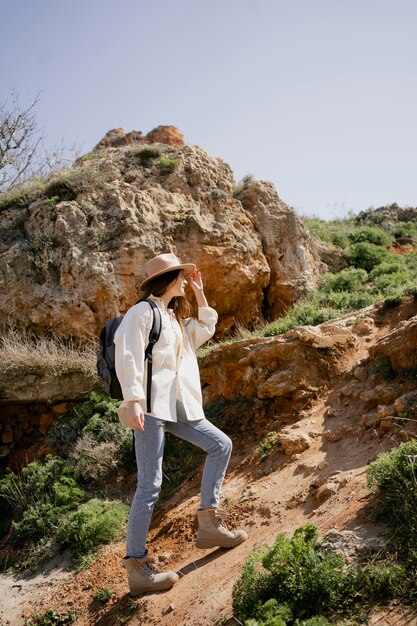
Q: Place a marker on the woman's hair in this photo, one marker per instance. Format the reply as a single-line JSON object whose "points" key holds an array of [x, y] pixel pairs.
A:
{"points": [[158, 286]]}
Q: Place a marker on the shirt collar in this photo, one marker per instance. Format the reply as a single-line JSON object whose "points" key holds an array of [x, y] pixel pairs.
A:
{"points": [[159, 302]]}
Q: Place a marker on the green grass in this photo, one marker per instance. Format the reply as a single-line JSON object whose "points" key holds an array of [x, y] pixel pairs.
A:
{"points": [[67, 184], [167, 165], [23, 195]]}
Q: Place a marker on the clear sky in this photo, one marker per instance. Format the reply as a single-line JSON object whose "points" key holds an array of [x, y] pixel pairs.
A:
{"points": [[317, 96]]}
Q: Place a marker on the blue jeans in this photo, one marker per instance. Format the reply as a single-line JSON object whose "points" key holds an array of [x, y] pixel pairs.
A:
{"points": [[149, 448]]}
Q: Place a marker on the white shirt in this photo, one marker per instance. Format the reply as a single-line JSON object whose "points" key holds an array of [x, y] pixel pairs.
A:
{"points": [[175, 373]]}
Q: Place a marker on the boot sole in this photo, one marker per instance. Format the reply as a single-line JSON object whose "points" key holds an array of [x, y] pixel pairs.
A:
{"points": [[209, 544], [138, 592]]}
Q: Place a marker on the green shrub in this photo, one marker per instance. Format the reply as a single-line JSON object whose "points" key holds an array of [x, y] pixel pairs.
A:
{"points": [[298, 582], [405, 230], [67, 184], [23, 195], [94, 440], [46, 479], [300, 315], [394, 477], [393, 284], [38, 521], [367, 255], [52, 618], [376, 583], [102, 596], [147, 154], [91, 525], [270, 441], [45, 490], [344, 301], [293, 572], [167, 165], [333, 232], [370, 216], [246, 180], [391, 266], [346, 280], [218, 194], [371, 234], [96, 416]]}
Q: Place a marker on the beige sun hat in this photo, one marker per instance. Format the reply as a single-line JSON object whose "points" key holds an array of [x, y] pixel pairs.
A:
{"points": [[165, 263]]}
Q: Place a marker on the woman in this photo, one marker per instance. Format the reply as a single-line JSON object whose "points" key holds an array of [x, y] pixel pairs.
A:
{"points": [[176, 407]]}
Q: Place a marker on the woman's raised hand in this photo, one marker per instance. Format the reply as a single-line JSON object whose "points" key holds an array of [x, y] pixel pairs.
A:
{"points": [[196, 284], [194, 280]]}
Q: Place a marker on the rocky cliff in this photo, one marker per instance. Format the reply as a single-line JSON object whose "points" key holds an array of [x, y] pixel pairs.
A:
{"points": [[73, 249]]}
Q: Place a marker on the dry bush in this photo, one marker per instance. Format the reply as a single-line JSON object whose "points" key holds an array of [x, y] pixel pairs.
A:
{"points": [[23, 354], [94, 461]]}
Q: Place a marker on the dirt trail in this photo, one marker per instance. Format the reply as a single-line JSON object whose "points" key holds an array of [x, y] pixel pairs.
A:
{"points": [[325, 485]]}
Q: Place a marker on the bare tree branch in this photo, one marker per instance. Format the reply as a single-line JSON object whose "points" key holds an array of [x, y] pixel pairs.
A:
{"points": [[22, 145]]}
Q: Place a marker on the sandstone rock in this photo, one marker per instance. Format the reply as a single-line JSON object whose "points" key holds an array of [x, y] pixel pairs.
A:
{"points": [[364, 327], [380, 393], [68, 266], [360, 373], [294, 442], [383, 411], [402, 404], [315, 355], [386, 424], [351, 390], [295, 270], [165, 134], [332, 256], [368, 420], [47, 388], [118, 137], [279, 384], [324, 492], [332, 436], [351, 545], [391, 346]]}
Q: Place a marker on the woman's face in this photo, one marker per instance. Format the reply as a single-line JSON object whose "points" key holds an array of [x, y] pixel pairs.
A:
{"points": [[177, 287]]}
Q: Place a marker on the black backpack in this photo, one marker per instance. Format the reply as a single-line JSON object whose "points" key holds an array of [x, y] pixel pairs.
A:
{"points": [[106, 354]]}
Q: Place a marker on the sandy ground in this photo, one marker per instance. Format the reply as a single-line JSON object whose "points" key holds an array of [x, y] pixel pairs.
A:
{"points": [[324, 485]]}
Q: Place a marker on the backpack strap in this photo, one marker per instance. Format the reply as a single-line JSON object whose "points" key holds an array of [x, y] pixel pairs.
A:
{"points": [[153, 338]]}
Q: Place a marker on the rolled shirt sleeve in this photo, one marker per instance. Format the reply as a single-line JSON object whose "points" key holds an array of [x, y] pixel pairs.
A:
{"points": [[201, 330]]}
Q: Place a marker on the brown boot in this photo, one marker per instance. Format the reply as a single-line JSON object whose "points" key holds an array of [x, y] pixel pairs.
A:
{"points": [[211, 532], [143, 576]]}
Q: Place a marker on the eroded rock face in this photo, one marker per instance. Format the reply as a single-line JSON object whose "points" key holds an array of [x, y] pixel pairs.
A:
{"points": [[117, 137], [399, 346], [293, 259], [279, 375], [70, 262]]}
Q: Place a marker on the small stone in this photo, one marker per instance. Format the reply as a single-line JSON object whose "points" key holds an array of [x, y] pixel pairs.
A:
{"points": [[324, 492], [360, 373], [247, 494], [170, 608], [332, 437], [295, 443], [387, 424]]}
